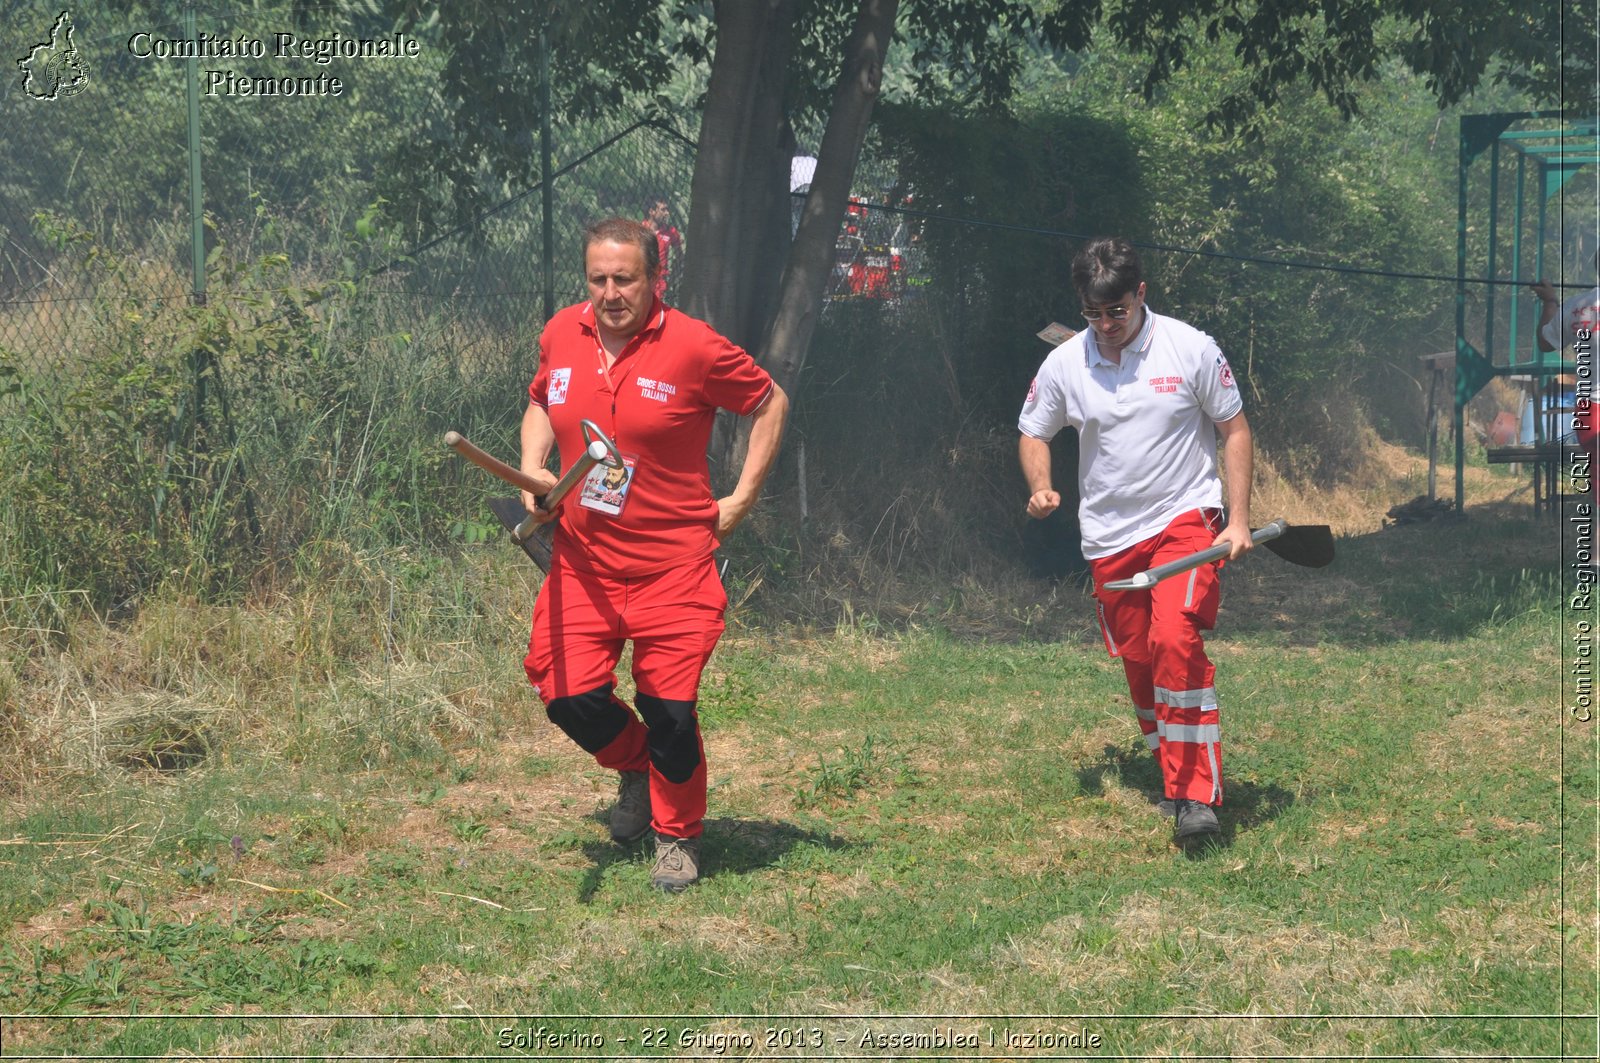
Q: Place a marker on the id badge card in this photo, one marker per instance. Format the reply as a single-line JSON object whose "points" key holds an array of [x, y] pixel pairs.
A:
{"points": [[605, 490]]}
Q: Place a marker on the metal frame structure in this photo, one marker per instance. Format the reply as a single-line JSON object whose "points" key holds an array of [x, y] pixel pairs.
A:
{"points": [[1548, 155]]}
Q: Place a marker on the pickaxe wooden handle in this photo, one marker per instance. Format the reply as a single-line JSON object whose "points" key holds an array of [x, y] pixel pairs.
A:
{"points": [[489, 463], [598, 449]]}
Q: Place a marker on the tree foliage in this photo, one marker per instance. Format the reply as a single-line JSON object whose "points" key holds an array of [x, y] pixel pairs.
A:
{"points": [[798, 60], [1319, 352], [1291, 132]]}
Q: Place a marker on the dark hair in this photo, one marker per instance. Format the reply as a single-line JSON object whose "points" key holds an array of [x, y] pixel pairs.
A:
{"points": [[625, 231], [1107, 268]]}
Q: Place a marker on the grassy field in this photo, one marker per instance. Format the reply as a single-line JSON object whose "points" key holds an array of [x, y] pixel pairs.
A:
{"points": [[339, 827]]}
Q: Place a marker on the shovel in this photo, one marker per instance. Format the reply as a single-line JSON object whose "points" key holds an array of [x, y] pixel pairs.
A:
{"points": [[1307, 545]]}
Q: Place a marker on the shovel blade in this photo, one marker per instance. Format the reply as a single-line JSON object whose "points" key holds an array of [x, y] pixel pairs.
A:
{"points": [[510, 513], [1306, 545]]}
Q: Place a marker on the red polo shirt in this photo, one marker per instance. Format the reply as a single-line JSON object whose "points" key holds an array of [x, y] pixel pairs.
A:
{"points": [[657, 403]]}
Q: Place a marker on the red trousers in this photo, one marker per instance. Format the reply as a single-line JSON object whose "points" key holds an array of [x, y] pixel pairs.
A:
{"points": [[1156, 633], [674, 619]]}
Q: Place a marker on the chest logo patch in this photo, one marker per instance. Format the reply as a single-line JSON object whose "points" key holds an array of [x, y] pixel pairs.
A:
{"points": [[656, 390], [559, 380]]}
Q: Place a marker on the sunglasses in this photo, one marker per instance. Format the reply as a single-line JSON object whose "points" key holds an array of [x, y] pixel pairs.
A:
{"points": [[1115, 313]]}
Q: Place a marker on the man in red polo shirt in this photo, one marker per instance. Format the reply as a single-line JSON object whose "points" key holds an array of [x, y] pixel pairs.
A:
{"points": [[632, 552], [658, 219]]}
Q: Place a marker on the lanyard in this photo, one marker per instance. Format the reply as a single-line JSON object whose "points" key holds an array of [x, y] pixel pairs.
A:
{"points": [[611, 383]]}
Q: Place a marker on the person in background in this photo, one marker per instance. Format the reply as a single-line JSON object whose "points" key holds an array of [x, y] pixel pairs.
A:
{"points": [[1573, 324], [658, 219]]}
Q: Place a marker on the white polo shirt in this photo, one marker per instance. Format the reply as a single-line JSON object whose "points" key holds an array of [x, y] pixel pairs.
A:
{"points": [[1147, 436], [1581, 311]]}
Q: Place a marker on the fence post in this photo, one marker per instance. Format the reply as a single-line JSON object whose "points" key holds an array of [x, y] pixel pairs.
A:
{"points": [[546, 195], [197, 255], [200, 359], [197, 227], [197, 221]]}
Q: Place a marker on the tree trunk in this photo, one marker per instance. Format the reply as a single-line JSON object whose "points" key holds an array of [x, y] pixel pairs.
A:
{"points": [[810, 260], [738, 211]]}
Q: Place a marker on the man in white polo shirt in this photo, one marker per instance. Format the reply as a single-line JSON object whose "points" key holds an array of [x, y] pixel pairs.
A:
{"points": [[1561, 322], [1150, 396], [1573, 324]]}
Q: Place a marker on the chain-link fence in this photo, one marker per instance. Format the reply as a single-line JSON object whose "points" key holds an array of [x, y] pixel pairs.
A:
{"points": [[353, 305], [290, 176], [197, 285]]}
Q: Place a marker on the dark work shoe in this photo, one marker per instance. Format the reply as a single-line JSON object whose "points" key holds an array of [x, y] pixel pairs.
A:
{"points": [[677, 863], [630, 816], [1195, 824]]}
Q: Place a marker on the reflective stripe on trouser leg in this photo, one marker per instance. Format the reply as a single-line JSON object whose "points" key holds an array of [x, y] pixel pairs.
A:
{"points": [[1187, 719], [1190, 732], [1142, 689], [677, 766], [1150, 728], [1184, 692]]}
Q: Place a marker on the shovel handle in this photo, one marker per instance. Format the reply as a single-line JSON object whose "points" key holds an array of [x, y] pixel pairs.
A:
{"points": [[1150, 577]]}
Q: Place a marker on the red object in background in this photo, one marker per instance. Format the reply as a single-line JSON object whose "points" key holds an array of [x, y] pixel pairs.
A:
{"points": [[873, 273], [854, 215], [1503, 431]]}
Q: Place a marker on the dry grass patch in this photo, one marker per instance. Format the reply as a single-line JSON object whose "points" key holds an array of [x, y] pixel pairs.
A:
{"points": [[741, 941], [1335, 830], [1391, 475], [950, 991], [1524, 930], [825, 1001], [381, 1037], [825, 889], [1177, 942]]}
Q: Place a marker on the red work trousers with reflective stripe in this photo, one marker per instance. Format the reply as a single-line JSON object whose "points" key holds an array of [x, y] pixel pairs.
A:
{"points": [[1156, 634], [674, 619]]}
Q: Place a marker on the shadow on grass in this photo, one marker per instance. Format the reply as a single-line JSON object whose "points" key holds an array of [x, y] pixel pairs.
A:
{"points": [[1246, 805], [730, 847], [1449, 578], [1132, 767]]}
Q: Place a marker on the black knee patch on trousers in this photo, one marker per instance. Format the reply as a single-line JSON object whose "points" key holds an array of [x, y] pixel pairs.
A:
{"points": [[593, 720], [674, 738]]}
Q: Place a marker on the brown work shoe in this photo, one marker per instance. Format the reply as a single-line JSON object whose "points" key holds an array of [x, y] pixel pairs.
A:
{"points": [[630, 816], [677, 863]]}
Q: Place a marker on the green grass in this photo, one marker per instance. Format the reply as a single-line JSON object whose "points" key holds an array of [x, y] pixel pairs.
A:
{"points": [[912, 834]]}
